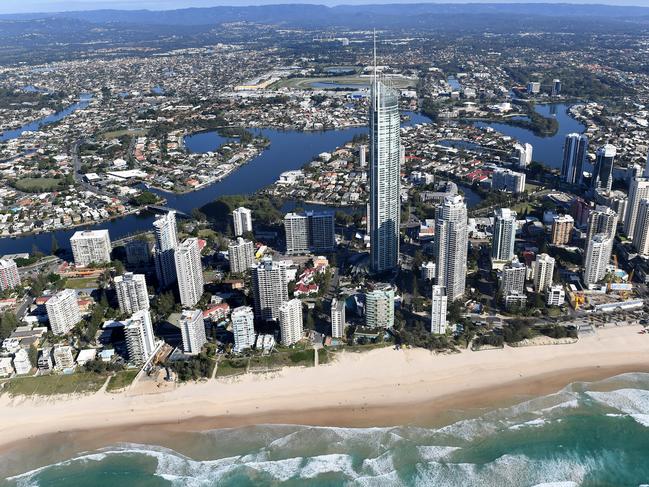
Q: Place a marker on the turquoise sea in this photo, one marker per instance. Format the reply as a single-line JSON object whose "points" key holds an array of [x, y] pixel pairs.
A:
{"points": [[588, 434]]}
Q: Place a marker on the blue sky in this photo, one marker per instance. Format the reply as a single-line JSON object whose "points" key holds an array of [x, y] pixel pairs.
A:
{"points": [[16, 6]]}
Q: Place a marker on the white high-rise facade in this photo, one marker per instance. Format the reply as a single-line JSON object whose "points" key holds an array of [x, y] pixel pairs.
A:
{"points": [[166, 241], [508, 181], [91, 247], [385, 176], [601, 220], [513, 278], [242, 218], [504, 235], [296, 228], [638, 190], [597, 258], [189, 272], [337, 318], [242, 255], [575, 151], [290, 321], [270, 289], [132, 293], [192, 329], [439, 302], [524, 154], [9, 275], [309, 232], [451, 243], [543, 271], [243, 327], [140, 342], [63, 311], [379, 307], [641, 233]]}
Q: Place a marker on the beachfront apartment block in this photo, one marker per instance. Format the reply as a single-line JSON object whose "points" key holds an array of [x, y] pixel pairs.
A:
{"points": [[91, 247], [9, 276], [451, 245], [543, 272], [63, 357], [189, 272], [270, 289], [132, 293], [290, 322], [337, 318], [439, 302], [140, 342], [241, 255], [192, 329], [379, 307], [22, 364], [166, 241], [243, 327], [242, 219], [63, 311]]}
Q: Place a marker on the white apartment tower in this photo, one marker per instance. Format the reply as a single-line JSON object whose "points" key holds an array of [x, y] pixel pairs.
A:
{"points": [[296, 228], [290, 321], [575, 152], [243, 327], [132, 293], [63, 311], [63, 358], [439, 303], [601, 220], [337, 318], [270, 289], [504, 235], [9, 276], [138, 333], [508, 181], [543, 271], [242, 255], [309, 232], [641, 233], [513, 278], [379, 307], [166, 241], [192, 329], [242, 218], [451, 242], [189, 272], [638, 190], [385, 177], [90, 247], [523, 154], [597, 258]]}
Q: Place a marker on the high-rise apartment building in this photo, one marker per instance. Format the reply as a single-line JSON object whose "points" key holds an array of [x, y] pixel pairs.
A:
{"points": [[166, 241], [270, 289], [243, 327], [508, 181], [9, 275], [138, 252], [242, 218], [641, 232], [140, 342], [379, 307], [91, 247], [337, 318], [638, 190], [597, 258], [601, 220], [132, 293], [543, 272], [63, 311], [562, 226], [189, 272], [513, 278], [603, 171], [290, 322], [504, 235], [309, 232], [451, 244], [439, 302], [524, 154], [385, 176], [242, 255], [192, 330], [575, 152]]}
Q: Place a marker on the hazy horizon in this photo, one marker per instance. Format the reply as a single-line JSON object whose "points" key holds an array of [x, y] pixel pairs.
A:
{"points": [[37, 6]]}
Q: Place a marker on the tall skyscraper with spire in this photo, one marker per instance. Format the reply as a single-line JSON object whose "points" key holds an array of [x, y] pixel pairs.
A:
{"points": [[385, 149]]}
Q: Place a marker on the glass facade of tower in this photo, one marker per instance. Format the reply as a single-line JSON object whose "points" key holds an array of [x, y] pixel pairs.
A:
{"points": [[385, 207]]}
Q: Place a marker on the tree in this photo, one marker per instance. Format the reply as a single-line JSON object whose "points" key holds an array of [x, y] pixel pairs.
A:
{"points": [[8, 323]]}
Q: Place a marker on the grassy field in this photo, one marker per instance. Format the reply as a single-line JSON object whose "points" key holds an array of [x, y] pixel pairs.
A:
{"points": [[307, 83], [227, 368], [122, 379], [116, 134], [48, 385], [81, 283], [37, 185]]}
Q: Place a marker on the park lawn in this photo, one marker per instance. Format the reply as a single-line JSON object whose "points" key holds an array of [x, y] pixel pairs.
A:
{"points": [[122, 379], [228, 367], [34, 185], [81, 283], [48, 385]]}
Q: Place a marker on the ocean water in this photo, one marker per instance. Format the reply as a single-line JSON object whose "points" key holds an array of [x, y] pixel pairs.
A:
{"points": [[588, 434]]}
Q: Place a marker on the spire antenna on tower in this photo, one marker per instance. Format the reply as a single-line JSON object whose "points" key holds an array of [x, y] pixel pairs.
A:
{"points": [[375, 70]]}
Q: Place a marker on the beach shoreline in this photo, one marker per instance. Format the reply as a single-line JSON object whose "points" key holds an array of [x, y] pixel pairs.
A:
{"points": [[383, 387]]}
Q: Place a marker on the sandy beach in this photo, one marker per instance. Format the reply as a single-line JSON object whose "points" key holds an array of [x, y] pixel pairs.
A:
{"points": [[377, 388]]}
